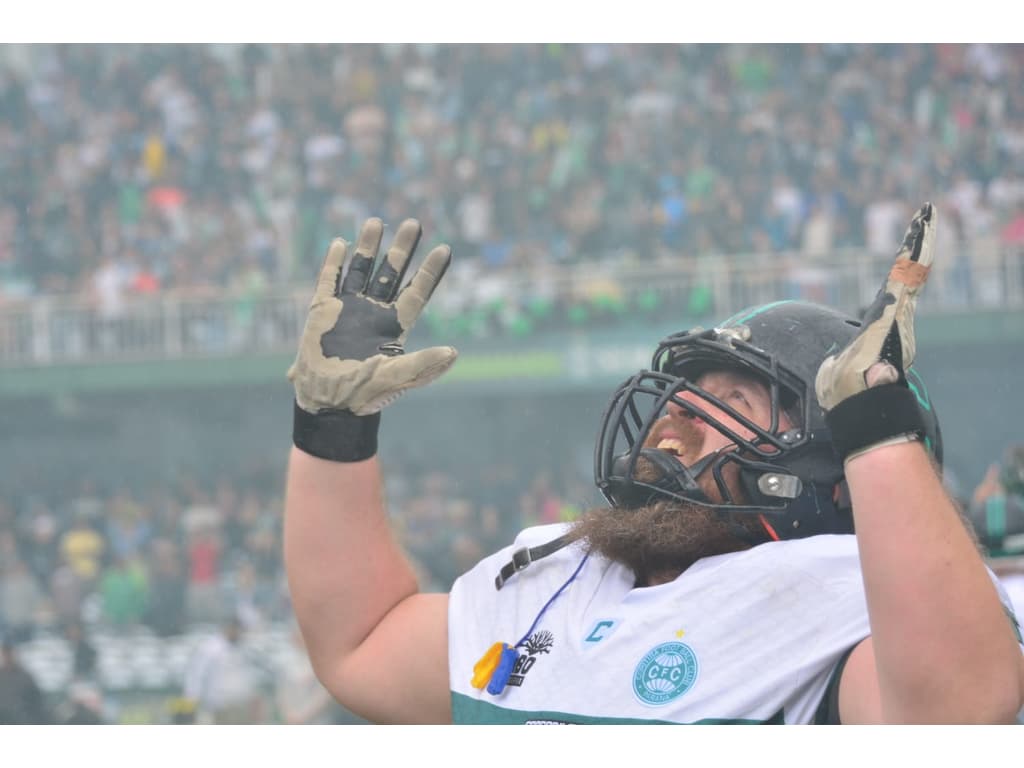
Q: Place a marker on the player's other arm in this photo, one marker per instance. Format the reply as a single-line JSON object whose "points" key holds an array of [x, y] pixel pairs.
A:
{"points": [[941, 648], [378, 645]]}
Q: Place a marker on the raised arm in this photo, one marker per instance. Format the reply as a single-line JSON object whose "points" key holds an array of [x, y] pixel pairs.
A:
{"points": [[376, 643], [942, 649]]}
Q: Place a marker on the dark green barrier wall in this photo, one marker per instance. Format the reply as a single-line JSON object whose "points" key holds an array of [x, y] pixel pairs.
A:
{"points": [[532, 406]]}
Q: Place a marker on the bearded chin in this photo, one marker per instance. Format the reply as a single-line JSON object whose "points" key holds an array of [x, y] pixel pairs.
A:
{"points": [[666, 537], [660, 540]]}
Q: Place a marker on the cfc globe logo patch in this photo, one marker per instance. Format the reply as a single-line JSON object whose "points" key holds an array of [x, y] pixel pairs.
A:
{"points": [[665, 673]]}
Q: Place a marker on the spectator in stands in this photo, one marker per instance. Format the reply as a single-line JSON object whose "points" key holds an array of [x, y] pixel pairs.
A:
{"points": [[204, 550], [83, 706], [21, 599], [224, 681], [252, 597], [128, 526], [87, 503], [997, 506], [544, 500], [40, 529], [299, 696], [260, 542], [83, 547], [124, 591], [168, 587], [21, 699], [997, 512], [8, 542], [83, 652], [68, 593]]}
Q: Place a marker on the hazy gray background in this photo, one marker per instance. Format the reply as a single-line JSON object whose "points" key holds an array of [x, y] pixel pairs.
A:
{"points": [[164, 209]]}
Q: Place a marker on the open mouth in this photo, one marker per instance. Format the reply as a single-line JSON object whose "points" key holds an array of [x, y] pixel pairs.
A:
{"points": [[671, 445]]}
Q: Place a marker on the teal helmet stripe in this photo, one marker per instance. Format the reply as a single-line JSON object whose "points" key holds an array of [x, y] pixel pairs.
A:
{"points": [[916, 384]]}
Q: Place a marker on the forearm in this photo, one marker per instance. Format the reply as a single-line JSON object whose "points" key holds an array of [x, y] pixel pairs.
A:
{"points": [[345, 569], [931, 602]]}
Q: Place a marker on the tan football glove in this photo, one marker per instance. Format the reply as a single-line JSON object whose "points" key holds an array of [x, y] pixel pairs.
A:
{"points": [[880, 355], [352, 353], [351, 359]]}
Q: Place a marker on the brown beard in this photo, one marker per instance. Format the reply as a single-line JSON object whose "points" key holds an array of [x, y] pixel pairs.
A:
{"points": [[660, 541]]}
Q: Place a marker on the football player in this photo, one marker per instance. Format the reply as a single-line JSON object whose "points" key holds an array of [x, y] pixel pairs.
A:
{"points": [[777, 544]]}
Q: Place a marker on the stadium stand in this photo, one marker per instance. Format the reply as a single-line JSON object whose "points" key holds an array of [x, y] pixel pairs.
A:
{"points": [[171, 203]]}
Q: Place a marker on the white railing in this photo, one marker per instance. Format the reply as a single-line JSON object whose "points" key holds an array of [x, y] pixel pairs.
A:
{"points": [[48, 330]]}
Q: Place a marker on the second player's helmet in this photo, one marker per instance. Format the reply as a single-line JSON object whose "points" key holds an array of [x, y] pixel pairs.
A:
{"points": [[792, 478]]}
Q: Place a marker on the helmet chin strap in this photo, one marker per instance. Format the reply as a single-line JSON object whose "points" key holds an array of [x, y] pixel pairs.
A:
{"points": [[671, 467], [674, 479], [751, 537], [768, 527], [677, 476]]}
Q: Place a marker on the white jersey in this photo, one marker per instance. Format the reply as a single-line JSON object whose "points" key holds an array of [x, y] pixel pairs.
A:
{"points": [[747, 637]]}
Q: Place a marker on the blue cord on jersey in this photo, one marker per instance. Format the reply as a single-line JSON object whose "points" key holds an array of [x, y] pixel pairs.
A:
{"points": [[561, 589], [504, 665]]}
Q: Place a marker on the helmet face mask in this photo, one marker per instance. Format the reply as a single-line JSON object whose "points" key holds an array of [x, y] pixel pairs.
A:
{"points": [[792, 477]]}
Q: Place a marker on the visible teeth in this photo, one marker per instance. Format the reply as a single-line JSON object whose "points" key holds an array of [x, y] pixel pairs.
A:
{"points": [[671, 444]]}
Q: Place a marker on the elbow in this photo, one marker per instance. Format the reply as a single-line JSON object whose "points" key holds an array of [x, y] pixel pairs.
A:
{"points": [[981, 699], [328, 671], [324, 658], [1005, 703], [341, 678], [998, 702], [1002, 708]]}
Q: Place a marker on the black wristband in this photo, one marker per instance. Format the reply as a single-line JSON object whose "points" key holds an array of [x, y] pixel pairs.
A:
{"points": [[872, 416], [336, 435]]}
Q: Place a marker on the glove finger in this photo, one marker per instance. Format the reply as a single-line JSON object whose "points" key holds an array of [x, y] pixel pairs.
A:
{"points": [[914, 258], [920, 234], [396, 375], [366, 251], [327, 281], [388, 278], [906, 279], [415, 295], [418, 368]]}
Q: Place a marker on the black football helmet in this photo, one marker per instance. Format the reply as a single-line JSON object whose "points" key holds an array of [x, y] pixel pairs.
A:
{"points": [[793, 479]]}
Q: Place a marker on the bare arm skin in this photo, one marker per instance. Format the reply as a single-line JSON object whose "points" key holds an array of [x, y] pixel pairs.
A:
{"points": [[942, 649], [376, 643]]}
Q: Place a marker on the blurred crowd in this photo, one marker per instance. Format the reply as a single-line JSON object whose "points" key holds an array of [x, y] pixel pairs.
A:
{"points": [[170, 558], [205, 559], [132, 170], [117, 558], [135, 171], [97, 566]]}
